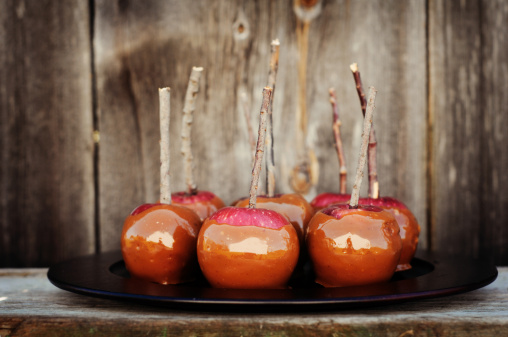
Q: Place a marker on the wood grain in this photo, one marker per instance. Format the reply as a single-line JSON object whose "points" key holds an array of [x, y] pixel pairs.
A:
{"points": [[142, 46], [493, 234], [46, 167], [466, 68], [34, 307]]}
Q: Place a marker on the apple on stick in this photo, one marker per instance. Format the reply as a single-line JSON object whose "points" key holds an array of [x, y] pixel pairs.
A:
{"points": [[249, 248], [204, 203], [409, 227], [159, 240], [352, 244]]}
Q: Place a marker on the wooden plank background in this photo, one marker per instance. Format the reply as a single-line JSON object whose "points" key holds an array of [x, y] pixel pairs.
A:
{"points": [[68, 70], [46, 171]]}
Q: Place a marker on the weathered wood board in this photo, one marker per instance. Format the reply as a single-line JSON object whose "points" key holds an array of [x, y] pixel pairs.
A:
{"points": [[47, 179], [467, 74]]}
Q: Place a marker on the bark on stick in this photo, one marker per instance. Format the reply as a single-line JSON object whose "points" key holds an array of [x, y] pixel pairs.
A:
{"points": [[367, 124], [256, 170], [164, 114], [188, 111], [372, 151]]}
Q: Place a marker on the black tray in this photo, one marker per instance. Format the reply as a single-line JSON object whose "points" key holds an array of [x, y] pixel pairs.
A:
{"points": [[104, 275]]}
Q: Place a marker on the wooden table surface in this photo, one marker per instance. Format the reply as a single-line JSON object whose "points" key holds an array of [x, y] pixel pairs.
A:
{"points": [[31, 306]]}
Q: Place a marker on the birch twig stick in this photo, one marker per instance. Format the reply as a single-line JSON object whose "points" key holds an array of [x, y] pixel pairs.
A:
{"points": [[372, 151], [188, 110], [367, 124], [164, 114], [270, 160], [338, 142], [256, 170]]}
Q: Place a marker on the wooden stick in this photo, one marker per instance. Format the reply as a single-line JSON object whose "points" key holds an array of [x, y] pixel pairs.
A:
{"points": [[367, 123], [188, 110], [338, 142], [256, 170], [270, 160], [372, 151], [164, 114]]}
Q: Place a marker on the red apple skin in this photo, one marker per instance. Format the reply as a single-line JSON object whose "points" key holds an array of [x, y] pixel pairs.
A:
{"points": [[293, 206], [159, 243], [204, 203], [409, 227], [243, 248], [353, 246], [324, 200]]}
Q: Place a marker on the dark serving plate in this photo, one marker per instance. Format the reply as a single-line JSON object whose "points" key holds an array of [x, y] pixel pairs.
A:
{"points": [[104, 275]]}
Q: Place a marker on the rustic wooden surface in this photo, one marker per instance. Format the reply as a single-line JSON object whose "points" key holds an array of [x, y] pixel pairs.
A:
{"points": [[69, 69], [46, 169], [494, 157], [31, 306], [467, 71]]}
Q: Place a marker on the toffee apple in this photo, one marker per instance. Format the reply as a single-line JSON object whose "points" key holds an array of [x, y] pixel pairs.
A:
{"points": [[158, 243], [159, 240], [409, 227], [352, 244], [204, 203], [249, 248]]}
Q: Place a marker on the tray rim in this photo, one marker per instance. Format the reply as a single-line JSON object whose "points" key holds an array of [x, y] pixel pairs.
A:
{"points": [[94, 278]]}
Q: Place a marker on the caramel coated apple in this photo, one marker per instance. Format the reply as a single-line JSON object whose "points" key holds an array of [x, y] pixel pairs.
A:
{"points": [[353, 246], [247, 248], [409, 227], [293, 206], [204, 203], [159, 243]]}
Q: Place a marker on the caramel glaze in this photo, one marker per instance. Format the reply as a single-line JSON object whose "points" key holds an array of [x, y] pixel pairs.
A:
{"points": [[247, 257], [159, 244], [204, 203], [293, 206], [409, 227], [361, 247]]}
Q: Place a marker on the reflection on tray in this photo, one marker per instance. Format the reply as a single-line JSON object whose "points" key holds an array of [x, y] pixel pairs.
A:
{"points": [[304, 279]]}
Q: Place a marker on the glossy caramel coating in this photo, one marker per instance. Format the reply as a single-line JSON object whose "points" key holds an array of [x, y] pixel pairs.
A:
{"points": [[204, 203], [360, 247], [159, 244], [247, 257], [293, 206], [409, 227]]}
